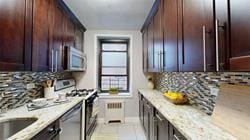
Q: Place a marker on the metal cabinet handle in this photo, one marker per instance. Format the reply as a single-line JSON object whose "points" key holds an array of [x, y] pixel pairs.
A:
{"points": [[176, 137], [217, 43], [148, 106], [159, 63], [158, 117], [204, 48], [52, 60], [56, 67], [51, 130]]}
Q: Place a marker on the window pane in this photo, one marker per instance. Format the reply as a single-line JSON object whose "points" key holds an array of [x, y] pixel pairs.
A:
{"points": [[114, 59], [114, 71], [114, 47], [114, 82]]}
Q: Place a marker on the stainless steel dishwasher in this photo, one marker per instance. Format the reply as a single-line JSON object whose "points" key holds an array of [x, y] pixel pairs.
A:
{"points": [[71, 124]]}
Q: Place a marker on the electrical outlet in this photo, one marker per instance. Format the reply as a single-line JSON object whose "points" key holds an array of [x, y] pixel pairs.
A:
{"points": [[30, 86], [214, 91]]}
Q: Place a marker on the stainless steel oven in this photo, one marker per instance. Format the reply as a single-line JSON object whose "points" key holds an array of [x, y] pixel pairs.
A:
{"points": [[75, 59], [91, 112]]}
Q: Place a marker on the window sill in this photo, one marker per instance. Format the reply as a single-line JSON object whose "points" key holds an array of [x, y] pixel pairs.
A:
{"points": [[117, 96]]}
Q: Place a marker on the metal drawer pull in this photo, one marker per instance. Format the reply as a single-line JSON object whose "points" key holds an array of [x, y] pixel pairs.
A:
{"points": [[158, 117]]}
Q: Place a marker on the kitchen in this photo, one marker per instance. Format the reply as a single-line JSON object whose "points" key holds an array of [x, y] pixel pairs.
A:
{"points": [[131, 70]]}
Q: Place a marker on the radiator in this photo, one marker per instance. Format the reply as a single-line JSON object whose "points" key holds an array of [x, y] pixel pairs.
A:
{"points": [[114, 111]]}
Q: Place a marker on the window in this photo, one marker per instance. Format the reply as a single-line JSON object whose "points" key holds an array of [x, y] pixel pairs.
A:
{"points": [[114, 65]]}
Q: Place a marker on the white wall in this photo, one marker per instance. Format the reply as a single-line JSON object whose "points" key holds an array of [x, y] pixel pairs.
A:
{"points": [[138, 79]]}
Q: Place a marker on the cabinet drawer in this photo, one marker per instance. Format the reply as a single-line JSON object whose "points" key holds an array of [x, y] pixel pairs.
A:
{"points": [[175, 134]]}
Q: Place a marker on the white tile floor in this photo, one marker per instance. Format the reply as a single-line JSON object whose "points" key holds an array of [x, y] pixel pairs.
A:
{"points": [[117, 131]]}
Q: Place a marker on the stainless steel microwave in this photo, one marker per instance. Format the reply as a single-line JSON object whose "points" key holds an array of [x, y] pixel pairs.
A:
{"points": [[75, 60]]}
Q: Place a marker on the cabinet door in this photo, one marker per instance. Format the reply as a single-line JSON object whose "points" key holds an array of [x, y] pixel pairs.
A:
{"points": [[197, 36], [151, 63], [15, 29], [170, 53], [161, 127], [57, 38], [146, 118], [69, 32], [145, 49], [141, 108], [41, 36], [79, 39], [158, 39], [221, 13], [240, 35]]}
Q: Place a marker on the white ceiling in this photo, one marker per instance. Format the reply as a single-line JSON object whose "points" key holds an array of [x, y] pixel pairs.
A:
{"points": [[111, 14]]}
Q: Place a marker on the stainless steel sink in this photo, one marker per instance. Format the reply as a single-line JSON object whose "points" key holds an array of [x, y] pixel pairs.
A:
{"points": [[12, 126]]}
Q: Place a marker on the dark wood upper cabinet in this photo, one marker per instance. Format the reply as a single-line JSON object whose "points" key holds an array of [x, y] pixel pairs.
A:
{"points": [[79, 39], [57, 31], [14, 46], [170, 21], [158, 39], [151, 62], [221, 17], [69, 32], [239, 35], [145, 49], [41, 49], [34, 33], [197, 47], [233, 35], [181, 36]]}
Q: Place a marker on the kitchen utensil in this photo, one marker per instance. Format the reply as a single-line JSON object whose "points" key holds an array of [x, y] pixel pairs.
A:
{"points": [[232, 112], [49, 83]]}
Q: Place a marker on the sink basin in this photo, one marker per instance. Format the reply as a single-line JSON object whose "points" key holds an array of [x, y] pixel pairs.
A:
{"points": [[12, 126]]}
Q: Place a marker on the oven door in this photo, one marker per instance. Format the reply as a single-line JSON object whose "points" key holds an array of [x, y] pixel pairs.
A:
{"points": [[91, 116], [77, 60]]}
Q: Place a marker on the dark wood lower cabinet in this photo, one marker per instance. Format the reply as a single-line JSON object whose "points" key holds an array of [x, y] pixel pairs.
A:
{"points": [[161, 127], [155, 125], [51, 132], [141, 108]]}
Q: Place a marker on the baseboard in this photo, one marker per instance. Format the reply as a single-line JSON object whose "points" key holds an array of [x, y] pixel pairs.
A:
{"points": [[127, 120]]}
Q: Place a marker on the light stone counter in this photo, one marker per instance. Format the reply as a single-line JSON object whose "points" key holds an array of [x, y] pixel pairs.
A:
{"points": [[45, 117], [192, 123]]}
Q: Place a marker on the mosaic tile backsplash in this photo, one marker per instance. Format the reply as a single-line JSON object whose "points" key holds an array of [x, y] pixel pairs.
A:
{"points": [[196, 85], [13, 92]]}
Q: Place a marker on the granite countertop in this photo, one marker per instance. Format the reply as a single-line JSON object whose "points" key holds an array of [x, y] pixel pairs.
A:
{"points": [[192, 123], [44, 117]]}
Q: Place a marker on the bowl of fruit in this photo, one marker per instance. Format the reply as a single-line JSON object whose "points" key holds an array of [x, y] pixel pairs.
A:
{"points": [[176, 97]]}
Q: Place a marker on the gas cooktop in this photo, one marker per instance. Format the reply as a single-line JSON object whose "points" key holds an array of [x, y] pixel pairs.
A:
{"points": [[79, 92]]}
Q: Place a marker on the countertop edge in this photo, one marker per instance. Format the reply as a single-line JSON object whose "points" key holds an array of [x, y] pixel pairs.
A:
{"points": [[206, 118]]}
